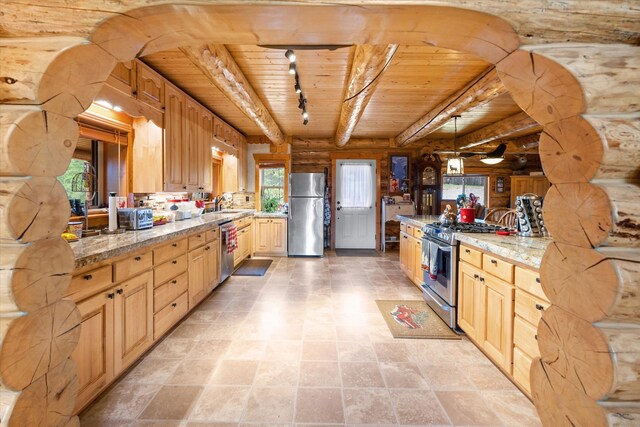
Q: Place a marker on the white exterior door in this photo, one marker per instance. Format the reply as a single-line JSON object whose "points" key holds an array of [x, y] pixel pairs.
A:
{"points": [[356, 204]]}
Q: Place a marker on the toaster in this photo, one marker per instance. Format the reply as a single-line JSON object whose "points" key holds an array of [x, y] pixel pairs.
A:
{"points": [[135, 218]]}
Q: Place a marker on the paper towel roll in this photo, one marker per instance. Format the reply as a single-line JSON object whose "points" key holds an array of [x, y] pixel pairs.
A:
{"points": [[113, 212]]}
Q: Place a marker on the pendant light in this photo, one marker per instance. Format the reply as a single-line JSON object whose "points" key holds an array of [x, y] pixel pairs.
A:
{"points": [[455, 164]]}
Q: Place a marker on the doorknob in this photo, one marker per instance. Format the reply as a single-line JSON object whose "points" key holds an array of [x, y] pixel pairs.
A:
{"points": [[338, 208]]}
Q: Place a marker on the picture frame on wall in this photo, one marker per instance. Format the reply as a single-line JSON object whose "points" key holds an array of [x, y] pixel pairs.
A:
{"points": [[500, 184], [399, 173]]}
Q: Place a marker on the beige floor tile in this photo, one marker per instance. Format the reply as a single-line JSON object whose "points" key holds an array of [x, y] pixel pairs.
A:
{"points": [[193, 372], [446, 378], [319, 374], [220, 404], [489, 378], [273, 404], [283, 350], [124, 402], [276, 373], [512, 407], [368, 406], [246, 350], [319, 405], [235, 372], [192, 331], [391, 352], [418, 408], [350, 333], [171, 403], [152, 371], [474, 411], [319, 350], [209, 349], [315, 331], [361, 374], [172, 348], [402, 375], [202, 316], [356, 351]]}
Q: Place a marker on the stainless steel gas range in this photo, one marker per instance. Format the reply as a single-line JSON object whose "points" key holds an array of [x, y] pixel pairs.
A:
{"points": [[440, 263]]}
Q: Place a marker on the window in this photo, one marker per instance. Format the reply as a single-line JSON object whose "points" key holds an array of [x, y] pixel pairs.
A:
{"points": [[357, 185], [77, 166], [272, 184], [452, 186]]}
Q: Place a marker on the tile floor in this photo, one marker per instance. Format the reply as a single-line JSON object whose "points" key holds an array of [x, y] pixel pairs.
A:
{"points": [[306, 345]]}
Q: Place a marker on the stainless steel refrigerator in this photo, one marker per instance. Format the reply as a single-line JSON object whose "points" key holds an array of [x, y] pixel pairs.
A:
{"points": [[306, 214]]}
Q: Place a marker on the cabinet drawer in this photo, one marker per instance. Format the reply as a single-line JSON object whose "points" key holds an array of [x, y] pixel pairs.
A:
{"points": [[529, 307], [242, 222], [470, 255], [529, 281], [197, 239], [418, 233], [403, 227], [410, 230], [524, 336], [168, 316], [170, 269], [131, 266], [498, 268], [164, 294], [213, 234], [88, 283], [169, 251], [521, 367]]}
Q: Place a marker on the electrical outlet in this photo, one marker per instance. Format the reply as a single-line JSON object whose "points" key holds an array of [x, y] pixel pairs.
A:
{"points": [[246, 198]]}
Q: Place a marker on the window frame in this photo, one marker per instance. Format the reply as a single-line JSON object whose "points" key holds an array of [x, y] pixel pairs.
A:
{"points": [[268, 159]]}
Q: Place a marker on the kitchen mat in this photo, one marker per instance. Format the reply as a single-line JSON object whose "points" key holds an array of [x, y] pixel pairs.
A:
{"points": [[414, 319], [253, 267], [357, 252]]}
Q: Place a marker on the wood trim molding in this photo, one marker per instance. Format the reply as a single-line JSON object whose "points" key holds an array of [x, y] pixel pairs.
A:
{"points": [[262, 158]]}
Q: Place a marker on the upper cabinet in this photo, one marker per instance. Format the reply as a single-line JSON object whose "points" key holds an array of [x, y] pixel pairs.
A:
{"points": [[174, 146], [523, 184], [149, 86], [123, 77]]}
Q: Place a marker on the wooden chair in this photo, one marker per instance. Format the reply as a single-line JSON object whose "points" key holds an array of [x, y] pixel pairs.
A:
{"points": [[494, 214], [509, 219]]}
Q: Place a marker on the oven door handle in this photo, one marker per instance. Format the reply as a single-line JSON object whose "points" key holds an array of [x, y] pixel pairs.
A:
{"points": [[443, 307], [446, 248]]}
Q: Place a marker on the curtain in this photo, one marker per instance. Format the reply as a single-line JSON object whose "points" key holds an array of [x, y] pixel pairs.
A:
{"points": [[357, 185]]}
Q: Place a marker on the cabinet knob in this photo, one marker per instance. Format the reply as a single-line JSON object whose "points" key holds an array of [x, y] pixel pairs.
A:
{"points": [[207, 248], [184, 187], [175, 304], [88, 277], [175, 245], [539, 307], [174, 281], [468, 251], [175, 261], [137, 258], [120, 291], [482, 279], [476, 276], [537, 280], [494, 262], [111, 295]]}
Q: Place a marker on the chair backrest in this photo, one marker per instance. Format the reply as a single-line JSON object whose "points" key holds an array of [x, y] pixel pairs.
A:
{"points": [[509, 219], [494, 214]]}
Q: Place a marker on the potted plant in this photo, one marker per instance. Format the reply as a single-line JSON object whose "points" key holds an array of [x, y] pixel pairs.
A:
{"points": [[270, 204]]}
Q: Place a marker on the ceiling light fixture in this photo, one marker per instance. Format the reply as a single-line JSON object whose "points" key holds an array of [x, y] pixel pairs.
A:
{"points": [[293, 69], [291, 56], [495, 156], [491, 160], [455, 164]]}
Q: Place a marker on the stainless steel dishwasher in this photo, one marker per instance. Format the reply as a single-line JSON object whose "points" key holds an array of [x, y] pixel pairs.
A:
{"points": [[226, 257]]}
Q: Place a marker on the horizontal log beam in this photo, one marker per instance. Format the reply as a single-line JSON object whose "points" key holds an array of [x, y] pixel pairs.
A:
{"points": [[369, 63], [503, 129], [527, 144], [217, 64], [484, 88]]}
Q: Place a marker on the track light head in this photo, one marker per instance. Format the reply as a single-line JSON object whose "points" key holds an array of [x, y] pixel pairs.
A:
{"points": [[305, 121], [292, 69], [302, 102], [298, 88], [305, 115], [291, 56]]}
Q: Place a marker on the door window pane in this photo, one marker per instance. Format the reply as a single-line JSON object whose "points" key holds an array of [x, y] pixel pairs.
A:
{"points": [[356, 185]]}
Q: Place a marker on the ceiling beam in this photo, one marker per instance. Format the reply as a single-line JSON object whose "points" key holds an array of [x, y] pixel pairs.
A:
{"points": [[481, 90], [498, 130], [217, 64], [526, 144], [369, 63]]}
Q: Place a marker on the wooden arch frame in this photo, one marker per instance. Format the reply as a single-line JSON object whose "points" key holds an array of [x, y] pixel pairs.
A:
{"points": [[581, 94]]}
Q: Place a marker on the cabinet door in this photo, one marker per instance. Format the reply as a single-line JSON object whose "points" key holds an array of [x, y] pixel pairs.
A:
{"points": [[192, 138], [212, 263], [206, 137], [469, 300], [133, 325], [404, 244], [123, 77], [410, 257], [540, 185], [263, 235], [197, 274], [149, 86], [242, 163], [94, 354], [218, 129], [497, 334], [278, 236], [417, 262], [175, 151]]}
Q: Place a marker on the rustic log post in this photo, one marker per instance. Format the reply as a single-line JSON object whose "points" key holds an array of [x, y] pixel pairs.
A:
{"points": [[588, 373]]}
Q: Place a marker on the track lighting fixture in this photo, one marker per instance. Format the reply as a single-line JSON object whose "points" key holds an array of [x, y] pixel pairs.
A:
{"points": [[291, 56], [293, 70]]}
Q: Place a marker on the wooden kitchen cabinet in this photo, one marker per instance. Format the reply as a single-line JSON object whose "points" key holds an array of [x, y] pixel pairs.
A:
{"points": [[204, 264], [245, 244], [205, 182], [123, 78], [411, 253], [418, 278], [469, 300], [175, 149], [528, 184], [270, 236], [497, 320], [197, 276], [149, 86], [212, 263], [193, 142], [94, 354], [133, 320]]}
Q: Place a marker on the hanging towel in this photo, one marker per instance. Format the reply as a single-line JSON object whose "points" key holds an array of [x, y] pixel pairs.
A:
{"points": [[327, 207], [434, 250], [232, 239], [425, 256]]}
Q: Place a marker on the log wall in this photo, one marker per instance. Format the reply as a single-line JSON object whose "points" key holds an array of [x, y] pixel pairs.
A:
{"points": [[56, 57]]}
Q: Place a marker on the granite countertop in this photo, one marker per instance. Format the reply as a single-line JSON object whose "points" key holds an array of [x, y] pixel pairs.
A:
{"points": [[270, 215], [524, 250], [94, 249]]}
